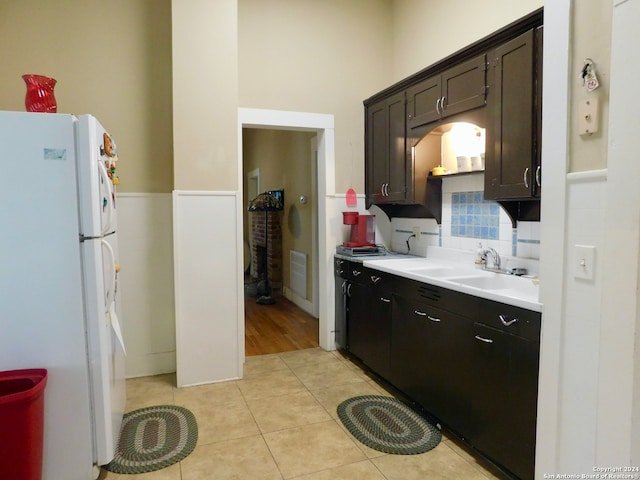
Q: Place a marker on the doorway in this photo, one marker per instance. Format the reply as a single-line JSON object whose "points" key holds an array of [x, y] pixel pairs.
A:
{"points": [[281, 160], [322, 125]]}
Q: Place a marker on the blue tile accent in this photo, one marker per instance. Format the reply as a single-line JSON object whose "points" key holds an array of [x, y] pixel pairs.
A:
{"points": [[474, 217]]}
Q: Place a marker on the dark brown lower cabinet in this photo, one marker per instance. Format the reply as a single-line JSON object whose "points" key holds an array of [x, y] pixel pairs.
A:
{"points": [[430, 360], [340, 330], [471, 363], [504, 385], [369, 324]]}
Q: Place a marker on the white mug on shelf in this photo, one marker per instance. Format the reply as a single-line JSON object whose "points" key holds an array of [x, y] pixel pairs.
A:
{"points": [[464, 163]]}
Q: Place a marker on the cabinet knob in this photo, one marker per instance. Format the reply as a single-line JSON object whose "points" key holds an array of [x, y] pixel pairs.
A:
{"points": [[375, 279], [356, 272]]}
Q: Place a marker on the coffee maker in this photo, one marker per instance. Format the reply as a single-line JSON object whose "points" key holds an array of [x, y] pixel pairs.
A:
{"points": [[363, 231]]}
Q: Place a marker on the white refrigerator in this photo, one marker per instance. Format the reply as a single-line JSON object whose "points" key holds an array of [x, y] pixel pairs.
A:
{"points": [[59, 297]]}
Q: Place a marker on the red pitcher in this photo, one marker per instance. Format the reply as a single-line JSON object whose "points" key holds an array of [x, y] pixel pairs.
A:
{"points": [[40, 97]]}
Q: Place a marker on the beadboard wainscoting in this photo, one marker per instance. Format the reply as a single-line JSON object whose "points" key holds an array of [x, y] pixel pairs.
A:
{"points": [[145, 234], [582, 319], [208, 266]]}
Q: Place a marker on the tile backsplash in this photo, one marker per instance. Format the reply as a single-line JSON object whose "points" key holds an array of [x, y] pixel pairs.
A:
{"points": [[474, 217], [467, 220]]}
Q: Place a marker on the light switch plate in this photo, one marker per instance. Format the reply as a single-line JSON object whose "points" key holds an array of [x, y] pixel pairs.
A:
{"points": [[584, 261], [588, 116]]}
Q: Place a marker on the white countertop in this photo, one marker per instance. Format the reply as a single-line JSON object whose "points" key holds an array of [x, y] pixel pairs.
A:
{"points": [[463, 276]]}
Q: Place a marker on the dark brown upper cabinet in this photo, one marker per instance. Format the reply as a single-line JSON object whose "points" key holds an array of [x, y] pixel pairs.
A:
{"points": [[494, 83], [386, 167], [454, 91], [513, 168], [393, 179]]}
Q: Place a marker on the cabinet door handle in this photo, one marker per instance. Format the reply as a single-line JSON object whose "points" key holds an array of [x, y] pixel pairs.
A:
{"points": [[506, 322], [375, 279], [538, 169], [443, 106], [526, 177], [356, 272], [418, 312], [386, 189], [385, 300], [438, 106], [433, 319], [349, 290], [344, 287], [382, 189], [482, 339]]}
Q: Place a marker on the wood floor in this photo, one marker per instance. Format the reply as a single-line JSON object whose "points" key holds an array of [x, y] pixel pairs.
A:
{"points": [[276, 328]]}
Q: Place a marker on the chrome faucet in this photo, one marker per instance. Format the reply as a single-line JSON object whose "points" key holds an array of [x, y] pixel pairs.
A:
{"points": [[490, 253]]}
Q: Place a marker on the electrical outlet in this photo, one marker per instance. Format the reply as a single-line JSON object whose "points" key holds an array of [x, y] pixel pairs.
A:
{"points": [[416, 232]]}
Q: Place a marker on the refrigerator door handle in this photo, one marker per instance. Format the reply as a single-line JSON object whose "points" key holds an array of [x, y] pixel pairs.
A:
{"points": [[107, 199], [110, 290]]}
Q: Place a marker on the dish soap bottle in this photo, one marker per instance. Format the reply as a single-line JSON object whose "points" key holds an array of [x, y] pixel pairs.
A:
{"points": [[480, 255]]}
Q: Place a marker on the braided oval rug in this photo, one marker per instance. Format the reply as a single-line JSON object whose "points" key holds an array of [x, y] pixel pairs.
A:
{"points": [[388, 425], [153, 438]]}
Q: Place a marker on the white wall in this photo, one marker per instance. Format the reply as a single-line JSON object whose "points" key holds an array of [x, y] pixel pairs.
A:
{"points": [[618, 393], [581, 325], [146, 258], [209, 323], [589, 390]]}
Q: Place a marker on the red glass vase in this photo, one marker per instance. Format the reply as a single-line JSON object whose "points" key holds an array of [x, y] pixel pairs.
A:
{"points": [[40, 97]]}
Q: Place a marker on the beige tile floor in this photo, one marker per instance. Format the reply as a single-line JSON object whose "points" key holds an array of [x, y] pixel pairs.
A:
{"points": [[280, 422]]}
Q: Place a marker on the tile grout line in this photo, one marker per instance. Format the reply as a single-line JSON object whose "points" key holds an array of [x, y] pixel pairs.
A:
{"points": [[336, 422]]}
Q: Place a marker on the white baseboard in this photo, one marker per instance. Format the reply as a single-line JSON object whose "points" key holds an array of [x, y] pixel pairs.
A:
{"points": [[303, 303]]}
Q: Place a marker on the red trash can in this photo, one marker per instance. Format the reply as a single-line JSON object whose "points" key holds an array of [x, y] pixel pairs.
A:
{"points": [[21, 423]]}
